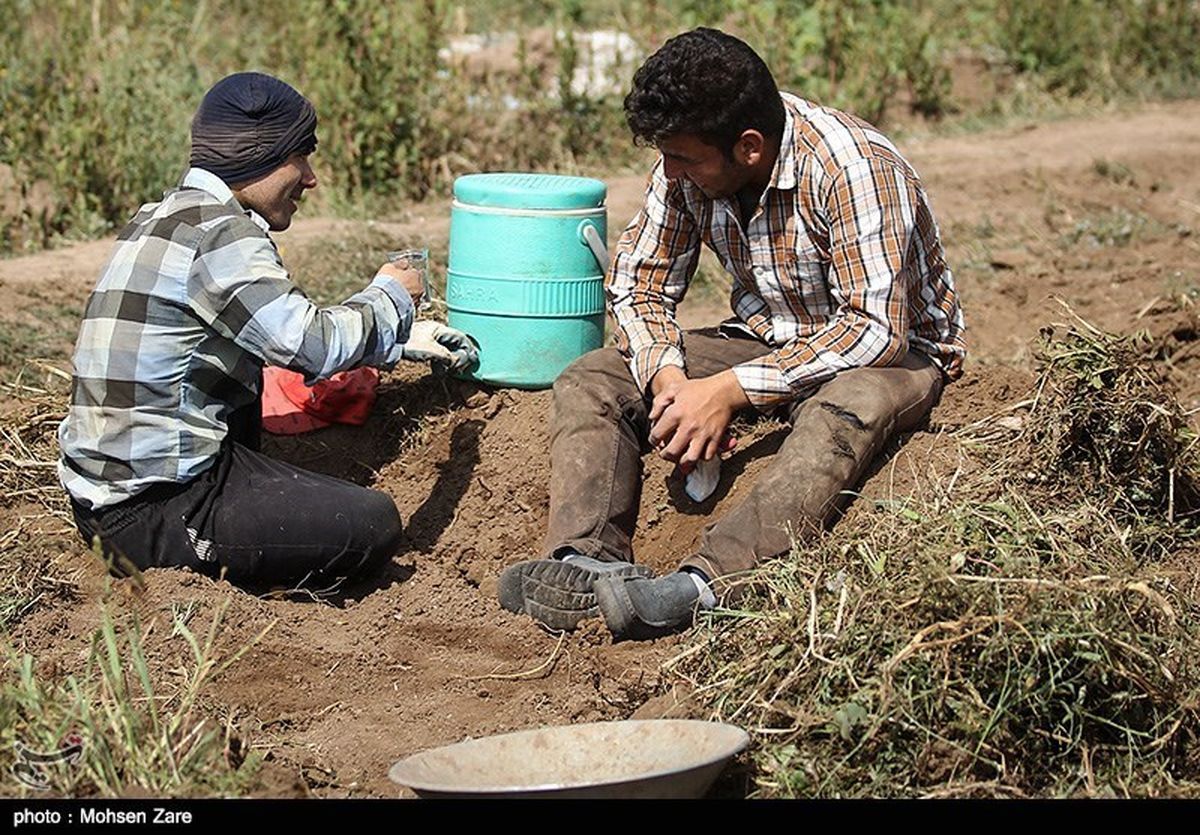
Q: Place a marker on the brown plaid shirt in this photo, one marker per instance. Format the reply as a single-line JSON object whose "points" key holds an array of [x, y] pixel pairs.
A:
{"points": [[839, 267]]}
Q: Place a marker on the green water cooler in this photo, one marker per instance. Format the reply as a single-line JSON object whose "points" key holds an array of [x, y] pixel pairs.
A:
{"points": [[526, 273]]}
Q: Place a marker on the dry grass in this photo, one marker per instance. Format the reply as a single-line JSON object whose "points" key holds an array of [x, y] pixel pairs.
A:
{"points": [[121, 724], [125, 724], [1025, 625], [32, 504]]}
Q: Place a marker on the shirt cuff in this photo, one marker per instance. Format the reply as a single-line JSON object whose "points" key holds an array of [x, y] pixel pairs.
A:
{"points": [[764, 383], [400, 297], [405, 312], [652, 359]]}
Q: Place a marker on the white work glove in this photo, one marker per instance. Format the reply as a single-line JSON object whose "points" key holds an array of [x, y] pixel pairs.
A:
{"points": [[443, 347]]}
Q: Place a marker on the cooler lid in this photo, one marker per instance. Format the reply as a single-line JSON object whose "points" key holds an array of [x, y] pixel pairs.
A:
{"points": [[515, 190]]}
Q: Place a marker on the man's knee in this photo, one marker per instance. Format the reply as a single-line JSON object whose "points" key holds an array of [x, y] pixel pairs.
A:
{"points": [[375, 536], [858, 401], [384, 529], [870, 399]]}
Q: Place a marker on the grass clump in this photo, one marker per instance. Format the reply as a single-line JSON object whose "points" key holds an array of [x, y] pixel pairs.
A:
{"points": [[1114, 228], [1104, 416], [1024, 626], [35, 522], [1116, 172], [132, 719], [122, 726]]}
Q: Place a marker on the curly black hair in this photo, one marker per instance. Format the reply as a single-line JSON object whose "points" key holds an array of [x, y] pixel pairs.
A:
{"points": [[705, 83]]}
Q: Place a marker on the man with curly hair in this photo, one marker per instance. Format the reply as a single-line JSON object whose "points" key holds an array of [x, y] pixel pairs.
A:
{"points": [[845, 318]]}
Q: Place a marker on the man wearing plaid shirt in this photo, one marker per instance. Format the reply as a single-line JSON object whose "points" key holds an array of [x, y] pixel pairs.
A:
{"points": [[159, 446], [845, 316]]}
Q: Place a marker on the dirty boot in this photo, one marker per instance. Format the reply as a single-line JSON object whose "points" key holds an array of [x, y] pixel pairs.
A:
{"points": [[640, 608], [559, 592]]}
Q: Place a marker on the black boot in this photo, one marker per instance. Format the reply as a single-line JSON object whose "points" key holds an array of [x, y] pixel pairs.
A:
{"points": [[559, 592], [641, 608]]}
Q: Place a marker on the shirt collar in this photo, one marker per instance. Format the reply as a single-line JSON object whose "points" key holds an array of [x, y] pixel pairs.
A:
{"points": [[783, 175], [214, 185]]}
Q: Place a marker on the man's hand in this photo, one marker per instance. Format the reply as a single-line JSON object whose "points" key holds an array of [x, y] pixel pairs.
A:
{"points": [[409, 279], [689, 419], [441, 346]]}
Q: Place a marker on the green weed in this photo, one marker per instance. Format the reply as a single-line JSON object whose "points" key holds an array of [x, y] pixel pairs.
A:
{"points": [[1117, 172], [1024, 627], [96, 95], [1113, 228], [134, 733]]}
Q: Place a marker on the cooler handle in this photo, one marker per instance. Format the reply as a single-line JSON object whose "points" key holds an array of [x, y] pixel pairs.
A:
{"points": [[591, 237]]}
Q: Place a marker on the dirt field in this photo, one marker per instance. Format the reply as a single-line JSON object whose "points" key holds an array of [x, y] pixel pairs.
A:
{"points": [[1100, 212]]}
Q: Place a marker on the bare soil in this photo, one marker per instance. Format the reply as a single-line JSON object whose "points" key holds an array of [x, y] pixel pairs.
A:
{"points": [[1099, 211]]}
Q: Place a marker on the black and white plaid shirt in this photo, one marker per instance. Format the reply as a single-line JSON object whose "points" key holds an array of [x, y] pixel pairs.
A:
{"points": [[192, 303]]}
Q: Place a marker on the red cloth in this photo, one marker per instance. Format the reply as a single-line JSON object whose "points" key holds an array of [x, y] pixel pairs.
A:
{"points": [[289, 407]]}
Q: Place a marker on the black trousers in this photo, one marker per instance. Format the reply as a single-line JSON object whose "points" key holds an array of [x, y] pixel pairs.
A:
{"points": [[264, 523]]}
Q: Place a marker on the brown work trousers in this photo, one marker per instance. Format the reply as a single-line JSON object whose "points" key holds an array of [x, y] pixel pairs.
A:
{"points": [[601, 429]]}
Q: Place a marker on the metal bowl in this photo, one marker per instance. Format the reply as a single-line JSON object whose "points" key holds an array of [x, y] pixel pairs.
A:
{"points": [[674, 758]]}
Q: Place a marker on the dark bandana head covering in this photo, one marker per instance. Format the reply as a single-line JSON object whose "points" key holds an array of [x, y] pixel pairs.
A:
{"points": [[248, 125]]}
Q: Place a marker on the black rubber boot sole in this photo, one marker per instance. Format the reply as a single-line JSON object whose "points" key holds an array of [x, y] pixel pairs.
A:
{"points": [[557, 593]]}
